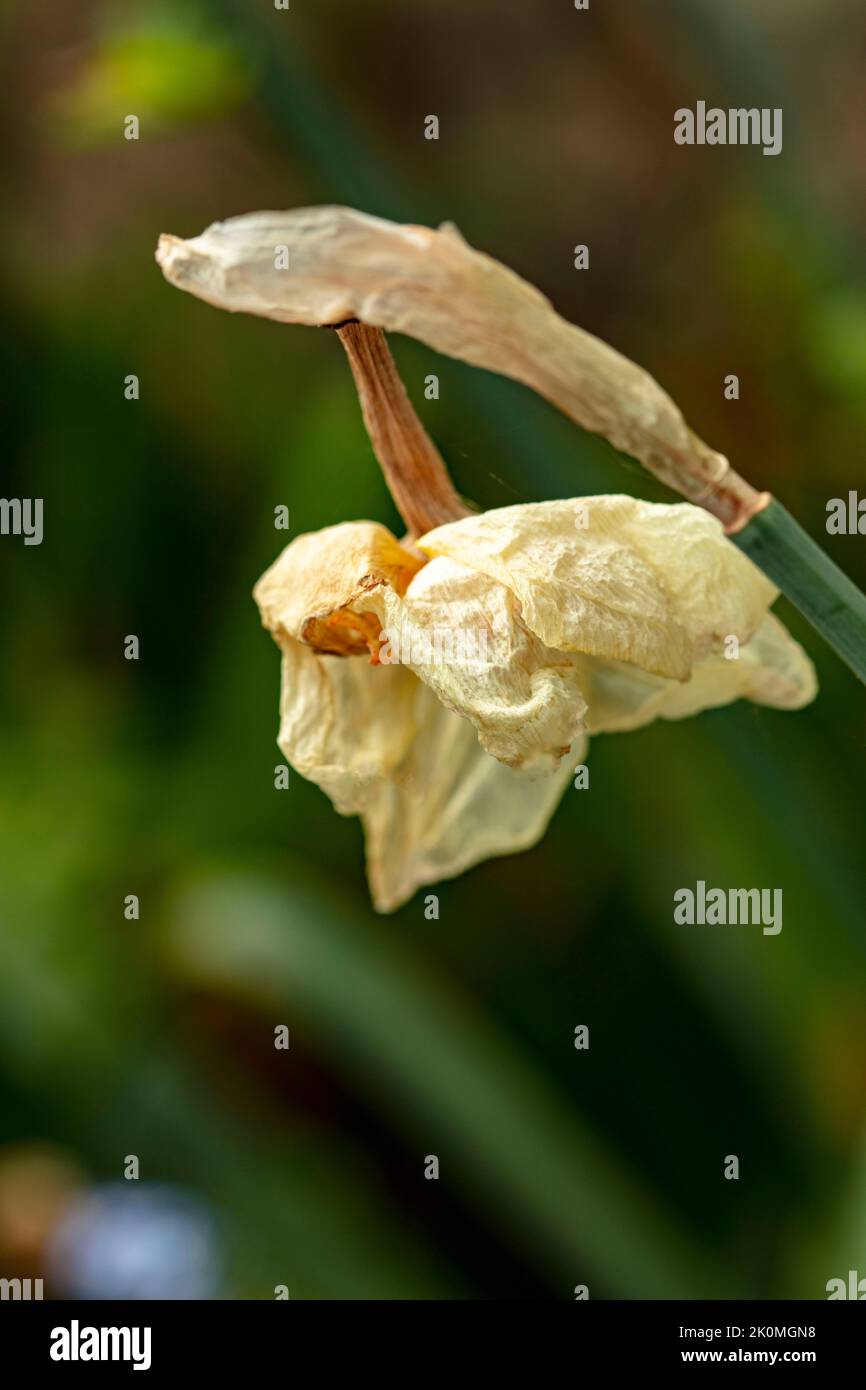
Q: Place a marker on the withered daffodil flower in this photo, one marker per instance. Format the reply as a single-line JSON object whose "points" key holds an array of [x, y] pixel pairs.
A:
{"points": [[443, 686]]}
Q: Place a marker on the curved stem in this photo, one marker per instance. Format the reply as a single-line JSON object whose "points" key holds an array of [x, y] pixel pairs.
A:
{"points": [[414, 469]]}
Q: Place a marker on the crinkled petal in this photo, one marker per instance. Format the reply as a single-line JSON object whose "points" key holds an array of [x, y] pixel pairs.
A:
{"points": [[461, 632], [713, 588], [344, 724], [656, 585], [310, 591], [382, 746], [451, 806]]}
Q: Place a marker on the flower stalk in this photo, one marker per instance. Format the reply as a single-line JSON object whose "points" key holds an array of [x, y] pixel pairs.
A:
{"points": [[413, 467]]}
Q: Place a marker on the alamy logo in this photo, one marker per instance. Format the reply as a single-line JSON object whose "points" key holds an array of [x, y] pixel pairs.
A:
{"points": [[737, 126], [846, 516], [22, 516], [712, 907], [76, 1343], [21, 1290], [438, 646], [855, 1287]]}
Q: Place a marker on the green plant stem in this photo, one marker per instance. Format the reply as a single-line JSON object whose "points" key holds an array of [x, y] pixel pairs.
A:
{"points": [[832, 603]]}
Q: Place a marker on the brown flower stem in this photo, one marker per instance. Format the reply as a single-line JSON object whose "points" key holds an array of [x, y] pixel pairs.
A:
{"points": [[414, 469]]}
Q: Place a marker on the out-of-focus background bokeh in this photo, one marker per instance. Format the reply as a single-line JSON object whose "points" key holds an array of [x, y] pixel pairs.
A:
{"points": [[153, 1039]]}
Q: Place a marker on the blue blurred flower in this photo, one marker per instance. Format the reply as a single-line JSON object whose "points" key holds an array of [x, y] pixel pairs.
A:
{"points": [[128, 1241]]}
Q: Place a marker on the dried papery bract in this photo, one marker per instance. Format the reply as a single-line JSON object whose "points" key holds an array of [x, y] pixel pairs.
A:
{"points": [[433, 286]]}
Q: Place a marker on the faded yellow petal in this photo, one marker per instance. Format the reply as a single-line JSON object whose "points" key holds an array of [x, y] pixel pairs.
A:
{"points": [[656, 585], [382, 746], [461, 633], [310, 592], [579, 589], [771, 669], [344, 724], [451, 806], [714, 589]]}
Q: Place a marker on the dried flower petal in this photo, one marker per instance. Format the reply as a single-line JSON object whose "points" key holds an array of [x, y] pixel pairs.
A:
{"points": [[310, 592], [462, 634], [771, 669], [615, 577], [381, 745]]}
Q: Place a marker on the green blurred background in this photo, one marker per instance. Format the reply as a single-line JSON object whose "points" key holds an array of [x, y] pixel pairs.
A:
{"points": [[412, 1037]]}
